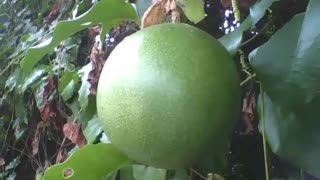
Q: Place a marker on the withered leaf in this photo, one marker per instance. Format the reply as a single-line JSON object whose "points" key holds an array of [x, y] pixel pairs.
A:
{"points": [[53, 13], [73, 132], [2, 162], [158, 11], [36, 137], [51, 86], [225, 3], [48, 111], [62, 155], [249, 104], [97, 61], [155, 14], [174, 11], [94, 31]]}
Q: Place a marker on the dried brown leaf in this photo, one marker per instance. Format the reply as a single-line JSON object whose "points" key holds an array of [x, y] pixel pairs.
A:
{"points": [[54, 13], [155, 14], [36, 137], [50, 87], [97, 61], [73, 132], [48, 111], [2, 162], [62, 155], [158, 11], [225, 3], [249, 104], [94, 31], [174, 11]]}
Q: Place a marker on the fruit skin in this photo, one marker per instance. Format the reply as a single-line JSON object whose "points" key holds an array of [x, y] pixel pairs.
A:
{"points": [[167, 94]]}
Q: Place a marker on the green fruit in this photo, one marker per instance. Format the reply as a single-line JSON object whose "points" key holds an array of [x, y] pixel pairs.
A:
{"points": [[167, 94]]}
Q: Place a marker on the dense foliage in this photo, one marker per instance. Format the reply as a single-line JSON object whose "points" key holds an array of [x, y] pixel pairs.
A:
{"points": [[52, 53]]}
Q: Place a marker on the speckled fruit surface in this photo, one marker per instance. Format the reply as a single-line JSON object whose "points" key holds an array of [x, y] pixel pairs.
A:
{"points": [[166, 94]]}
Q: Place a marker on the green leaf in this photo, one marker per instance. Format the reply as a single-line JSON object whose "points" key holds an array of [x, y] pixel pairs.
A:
{"points": [[108, 13], [294, 135], [13, 79], [141, 172], [193, 9], [126, 173], [67, 84], [92, 130], [289, 63], [84, 90], [289, 68], [142, 6], [181, 174], [4, 18], [89, 162], [68, 91], [233, 40]]}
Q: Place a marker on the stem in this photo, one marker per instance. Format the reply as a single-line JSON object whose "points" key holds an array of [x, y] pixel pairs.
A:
{"points": [[236, 10], [301, 174], [248, 79], [263, 29], [263, 134], [198, 174]]}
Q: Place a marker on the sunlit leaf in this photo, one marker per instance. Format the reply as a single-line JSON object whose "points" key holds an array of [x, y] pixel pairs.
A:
{"points": [[108, 13], [89, 162]]}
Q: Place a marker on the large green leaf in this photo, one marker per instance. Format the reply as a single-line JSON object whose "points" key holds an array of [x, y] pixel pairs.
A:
{"points": [[233, 40], [289, 63], [108, 13], [289, 68], [294, 135], [92, 162]]}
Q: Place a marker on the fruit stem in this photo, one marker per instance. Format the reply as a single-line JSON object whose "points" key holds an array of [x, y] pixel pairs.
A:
{"points": [[248, 79], [264, 134], [236, 10], [198, 174]]}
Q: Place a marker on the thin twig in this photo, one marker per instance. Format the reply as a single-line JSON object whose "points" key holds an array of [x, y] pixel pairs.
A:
{"points": [[265, 153], [248, 79], [263, 29], [198, 174]]}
